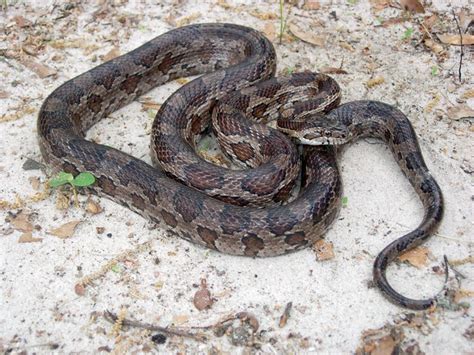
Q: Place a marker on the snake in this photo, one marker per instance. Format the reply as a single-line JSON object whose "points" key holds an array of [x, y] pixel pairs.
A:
{"points": [[198, 201]]}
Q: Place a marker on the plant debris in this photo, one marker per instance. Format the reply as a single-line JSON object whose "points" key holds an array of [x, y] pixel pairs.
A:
{"points": [[286, 314], [202, 298], [412, 5], [27, 237], [417, 257], [66, 230], [43, 71], [21, 221], [308, 37], [324, 250]]}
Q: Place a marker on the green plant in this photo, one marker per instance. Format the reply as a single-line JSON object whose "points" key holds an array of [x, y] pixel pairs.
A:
{"points": [[344, 201], [282, 21], [408, 33], [83, 179]]}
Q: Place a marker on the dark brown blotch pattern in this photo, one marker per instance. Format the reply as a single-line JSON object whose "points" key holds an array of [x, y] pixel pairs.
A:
{"points": [[169, 219], [253, 245], [297, 239], [208, 236]]}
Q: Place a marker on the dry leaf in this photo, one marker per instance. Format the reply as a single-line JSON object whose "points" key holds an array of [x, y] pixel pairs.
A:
{"points": [[432, 104], [324, 250], [62, 43], [466, 20], [412, 5], [270, 31], [382, 341], [384, 346], [457, 262], [186, 20], [417, 257], [202, 297], [113, 53], [346, 45], [35, 182], [434, 46], [469, 94], [39, 69], [4, 94], [461, 293], [332, 70], [224, 4], [456, 39], [80, 289], [18, 114], [66, 230], [93, 207], [378, 5], [393, 21], [312, 5], [375, 81], [21, 222], [62, 201], [250, 319], [307, 36], [459, 112], [21, 21], [170, 19], [430, 21], [28, 238], [263, 15], [286, 314], [180, 319], [182, 81], [149, 104]]}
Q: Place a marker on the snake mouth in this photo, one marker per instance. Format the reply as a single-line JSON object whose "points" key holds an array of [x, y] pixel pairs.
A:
{"points": [[324, 138]]}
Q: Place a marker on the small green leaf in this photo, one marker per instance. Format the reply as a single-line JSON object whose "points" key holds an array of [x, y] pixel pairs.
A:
{"points": [[152, 113], [115, 268], [83, 179], [205, 144], [434, 70], [290, 70], [352, 2], [344, 201], [408, 33], [61, 179]]}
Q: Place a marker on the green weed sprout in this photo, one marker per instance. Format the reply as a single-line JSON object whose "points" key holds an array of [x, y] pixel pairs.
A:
{"points": [[83, 179]]}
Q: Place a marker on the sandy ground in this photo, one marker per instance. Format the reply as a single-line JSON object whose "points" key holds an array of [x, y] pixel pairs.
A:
{"points": [[130, 267]]}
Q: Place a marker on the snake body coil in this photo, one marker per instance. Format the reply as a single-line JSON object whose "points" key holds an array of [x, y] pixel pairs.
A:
{"points": [[236, 59]]}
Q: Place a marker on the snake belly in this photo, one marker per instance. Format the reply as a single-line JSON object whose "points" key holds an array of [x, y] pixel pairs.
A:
{"points": [[231, 57]]}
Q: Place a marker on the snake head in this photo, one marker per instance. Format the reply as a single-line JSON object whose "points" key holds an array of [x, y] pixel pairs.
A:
{"points": [[315, 129]]}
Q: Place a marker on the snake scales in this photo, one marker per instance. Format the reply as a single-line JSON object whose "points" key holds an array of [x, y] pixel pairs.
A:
{"points": [[234, 58]]}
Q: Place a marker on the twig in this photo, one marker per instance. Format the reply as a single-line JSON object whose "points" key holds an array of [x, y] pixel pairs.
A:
{"points": [[282, 23], [111, 317], [286, 314], [462, 46]]}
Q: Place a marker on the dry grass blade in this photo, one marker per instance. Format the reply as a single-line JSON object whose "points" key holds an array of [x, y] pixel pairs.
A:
{"points": [[111, 317]]}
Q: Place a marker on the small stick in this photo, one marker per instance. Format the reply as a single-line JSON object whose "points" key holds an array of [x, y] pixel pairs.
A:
{"points": [[111, 317], [286, 314], [282, 24], [462, 46]]}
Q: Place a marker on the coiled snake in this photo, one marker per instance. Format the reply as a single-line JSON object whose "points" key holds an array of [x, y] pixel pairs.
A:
{"points": [[238, 60]]}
